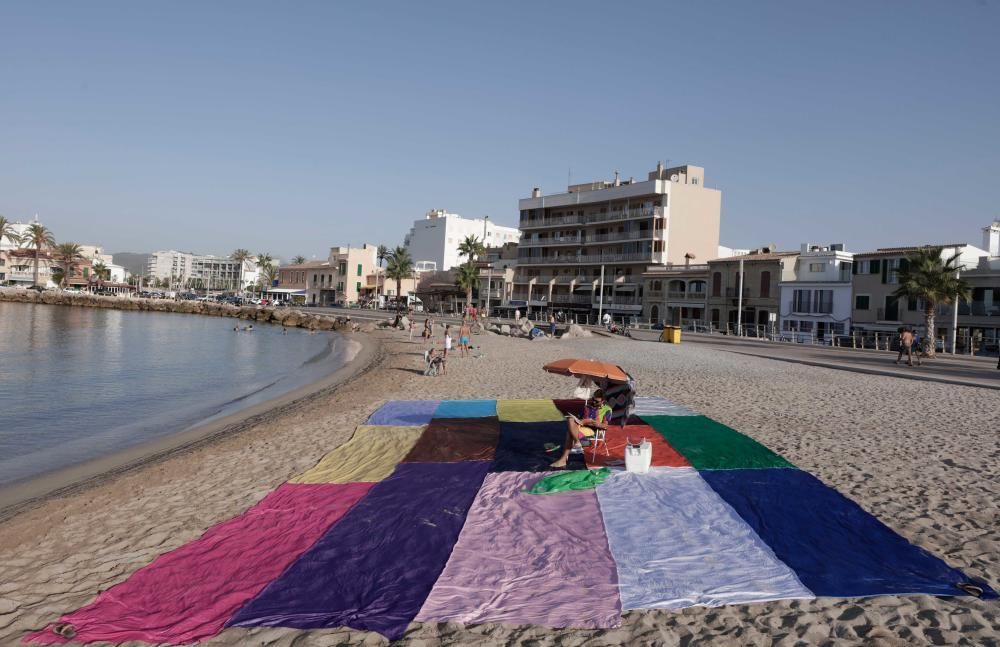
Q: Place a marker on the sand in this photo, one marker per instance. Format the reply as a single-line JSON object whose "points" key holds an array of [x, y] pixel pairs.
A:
{"points": [[923, 457]]}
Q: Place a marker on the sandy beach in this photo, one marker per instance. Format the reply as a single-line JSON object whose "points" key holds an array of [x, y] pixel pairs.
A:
{"points": [[921, 456]]}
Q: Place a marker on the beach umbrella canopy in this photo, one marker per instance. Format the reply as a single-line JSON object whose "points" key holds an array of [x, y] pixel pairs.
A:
{"points": [[587, 368]]}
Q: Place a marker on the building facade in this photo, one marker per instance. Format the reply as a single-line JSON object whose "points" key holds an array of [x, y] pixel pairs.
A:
{"points": [[435, 238], [222, 273], [876, 278], [676, 295], [815, 301], [586, 250], [763, 269], [342, 279], [170, 265], [497, 268]]}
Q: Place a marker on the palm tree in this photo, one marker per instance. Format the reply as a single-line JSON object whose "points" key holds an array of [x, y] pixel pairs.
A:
{"points": [[264, 260], [241, 256], [927, 277], [7, 231], [471, 248], [400, 267], [67, 254], [381, 254], [298, 260], [467, 278], [268, 274], [39, 237]]}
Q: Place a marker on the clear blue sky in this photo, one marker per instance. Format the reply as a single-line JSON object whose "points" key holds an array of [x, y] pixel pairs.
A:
{"points": [[290, 127]]}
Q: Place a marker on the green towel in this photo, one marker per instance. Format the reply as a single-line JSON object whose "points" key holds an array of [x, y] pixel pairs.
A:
{"points": [[568, 481]]}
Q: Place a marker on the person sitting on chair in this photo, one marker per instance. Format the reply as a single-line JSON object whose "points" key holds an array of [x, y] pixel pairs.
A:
{"points": [[596, 415]]}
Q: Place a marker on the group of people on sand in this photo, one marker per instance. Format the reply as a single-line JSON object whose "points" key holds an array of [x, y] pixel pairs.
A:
{"points": [[441, 354]]}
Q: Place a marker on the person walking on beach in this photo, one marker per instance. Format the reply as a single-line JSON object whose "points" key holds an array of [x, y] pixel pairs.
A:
{"points": [[552, 325], [464, 337], [906, 346], [413, 324], [427, 331], [517, 316]]}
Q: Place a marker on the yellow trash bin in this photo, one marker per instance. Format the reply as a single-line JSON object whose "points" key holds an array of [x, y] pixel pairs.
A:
{"points": [[671, 334]]}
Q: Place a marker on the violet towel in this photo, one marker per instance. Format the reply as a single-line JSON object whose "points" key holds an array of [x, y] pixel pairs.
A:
{"points": [[190, 593], [404, 413], [523, 559], [374, 569]]}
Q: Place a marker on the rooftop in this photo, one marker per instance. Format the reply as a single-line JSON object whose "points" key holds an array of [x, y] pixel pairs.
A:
{"points": [[896, 251], [752, 256]]}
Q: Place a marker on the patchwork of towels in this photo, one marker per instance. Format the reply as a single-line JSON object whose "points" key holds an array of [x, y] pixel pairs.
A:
{"points": [[426, 514]]}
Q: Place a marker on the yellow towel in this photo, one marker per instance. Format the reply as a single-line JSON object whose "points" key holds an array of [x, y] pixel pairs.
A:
{"points": [[370, 455], [527, 411]]}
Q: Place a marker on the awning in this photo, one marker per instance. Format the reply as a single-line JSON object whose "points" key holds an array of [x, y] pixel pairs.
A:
{"points": [[285, 291]]}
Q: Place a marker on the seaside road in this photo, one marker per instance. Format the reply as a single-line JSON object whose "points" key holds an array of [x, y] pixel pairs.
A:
{"points": [[947, 369]]}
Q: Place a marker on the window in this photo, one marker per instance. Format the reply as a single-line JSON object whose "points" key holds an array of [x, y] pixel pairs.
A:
{"points": [[359, 269], [862, 302], [717, 284], [817, 267], [823, 301], [694, 180], [874, 266], [358, 286], [765, 284], [800, 300]]}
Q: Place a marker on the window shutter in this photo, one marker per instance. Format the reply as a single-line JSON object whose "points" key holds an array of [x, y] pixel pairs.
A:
{"points": [[854, 267], [904, 263], [884, 267]]}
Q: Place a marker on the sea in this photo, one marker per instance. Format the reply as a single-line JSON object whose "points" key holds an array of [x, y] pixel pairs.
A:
{"points": [[81, 383]]}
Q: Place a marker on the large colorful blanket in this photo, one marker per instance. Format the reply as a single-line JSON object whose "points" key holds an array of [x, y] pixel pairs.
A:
{"points": [[425, 515]]}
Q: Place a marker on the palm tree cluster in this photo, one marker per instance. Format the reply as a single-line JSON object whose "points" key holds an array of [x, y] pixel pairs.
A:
{"points": [[468, 274], [926, 277]]}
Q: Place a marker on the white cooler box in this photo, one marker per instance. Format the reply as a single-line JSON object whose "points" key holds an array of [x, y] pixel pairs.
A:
{"points": [[638, 457]]}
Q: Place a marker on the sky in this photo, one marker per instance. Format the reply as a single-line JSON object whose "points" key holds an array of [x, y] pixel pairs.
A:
{"points": [[290, 127]]}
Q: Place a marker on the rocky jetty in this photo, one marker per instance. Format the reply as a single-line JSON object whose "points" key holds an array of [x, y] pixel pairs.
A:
{"points": [[288, 317]]}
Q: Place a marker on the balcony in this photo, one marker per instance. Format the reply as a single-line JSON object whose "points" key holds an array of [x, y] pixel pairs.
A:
{"points": [[621, 235], [591, 259], [610, 216], [570, 278], [617, 300], [552, 241]]}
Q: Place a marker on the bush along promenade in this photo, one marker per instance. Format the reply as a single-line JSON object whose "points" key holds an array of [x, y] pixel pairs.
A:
{"points": [[288, 317]]}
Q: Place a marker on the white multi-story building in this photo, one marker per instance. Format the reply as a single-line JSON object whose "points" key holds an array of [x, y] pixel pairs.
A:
{"points": [[223, 273], [171, 265], [815, 301], [19, 229], [435, 238]]}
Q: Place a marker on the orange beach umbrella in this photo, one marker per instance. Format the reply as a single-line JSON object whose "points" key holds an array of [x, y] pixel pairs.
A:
{"points": [[587, 368]]}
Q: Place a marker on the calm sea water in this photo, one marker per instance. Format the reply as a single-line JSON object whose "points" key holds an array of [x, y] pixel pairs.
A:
{"points": [[80, 383]]}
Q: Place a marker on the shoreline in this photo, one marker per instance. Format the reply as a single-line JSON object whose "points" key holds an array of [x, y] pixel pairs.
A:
{"points": [[34, 491]]}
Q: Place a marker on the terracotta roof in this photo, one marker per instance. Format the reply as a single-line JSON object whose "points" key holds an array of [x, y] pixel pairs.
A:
{"points": [[897, 251], [771, 256]]}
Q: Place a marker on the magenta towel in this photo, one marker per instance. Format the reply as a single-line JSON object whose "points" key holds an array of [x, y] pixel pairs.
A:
{"points": [[528, 560], [190, 593]]}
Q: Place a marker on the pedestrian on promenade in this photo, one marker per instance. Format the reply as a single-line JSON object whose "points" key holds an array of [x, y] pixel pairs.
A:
{"points": [[906, 346]]}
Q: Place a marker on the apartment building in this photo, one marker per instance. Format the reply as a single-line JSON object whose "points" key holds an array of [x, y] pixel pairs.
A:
{"points": [[763, 270], [815, 301], [876, 277], [222, 273], [436, 237], [587, 249], [170, 265], [676, 295], [339, 280]]}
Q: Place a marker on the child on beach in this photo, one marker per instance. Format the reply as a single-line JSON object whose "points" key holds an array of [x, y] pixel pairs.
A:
{"points": [[464, 335], [447, 346]]}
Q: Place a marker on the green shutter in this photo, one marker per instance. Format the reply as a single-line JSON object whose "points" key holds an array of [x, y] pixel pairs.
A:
{"points": [[873, 266], [359, 269], [884, 267]]}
